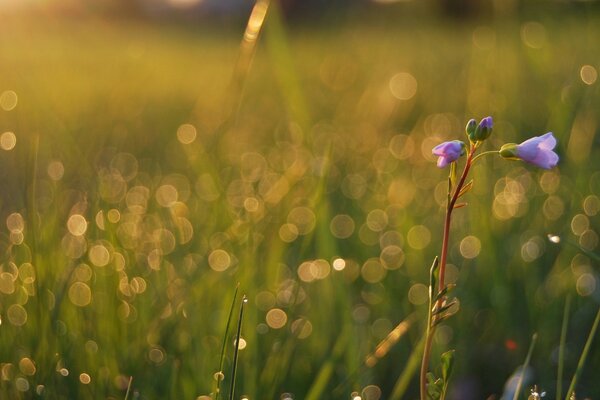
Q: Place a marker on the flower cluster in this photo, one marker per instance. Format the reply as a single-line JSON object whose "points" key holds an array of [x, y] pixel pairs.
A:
{"points": [[538, 150]]}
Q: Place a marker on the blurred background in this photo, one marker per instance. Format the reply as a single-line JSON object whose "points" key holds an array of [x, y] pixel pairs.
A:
{"points": [[154, 154]]}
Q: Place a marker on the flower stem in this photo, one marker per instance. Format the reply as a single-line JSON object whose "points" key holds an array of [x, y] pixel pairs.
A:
{"points": [[485, 153], [448, 219], [431, 319]]}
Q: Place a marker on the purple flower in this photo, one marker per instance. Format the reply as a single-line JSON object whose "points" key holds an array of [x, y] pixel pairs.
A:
{"points": [[448, 152], [538, 151]]}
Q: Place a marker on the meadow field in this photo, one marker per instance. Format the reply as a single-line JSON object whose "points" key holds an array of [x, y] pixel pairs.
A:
{"points": [[148, 168]]}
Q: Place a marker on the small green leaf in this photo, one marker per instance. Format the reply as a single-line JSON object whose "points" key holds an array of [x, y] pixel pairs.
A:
{"points": [[430, 378], [453, 176], [434, 387], [466, 188], [445, 306], [433, 277], [447, 366], [447, 289], [445, 314]]}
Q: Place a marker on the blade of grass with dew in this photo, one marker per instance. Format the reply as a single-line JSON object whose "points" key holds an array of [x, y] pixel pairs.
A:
{"points": [[561, 348], [557, 239], [219, 373], [237, 348], [525, 365], [584, 354]]}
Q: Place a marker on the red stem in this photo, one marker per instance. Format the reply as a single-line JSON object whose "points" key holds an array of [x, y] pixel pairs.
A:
{"points": [[442, 275], [448, 219]]}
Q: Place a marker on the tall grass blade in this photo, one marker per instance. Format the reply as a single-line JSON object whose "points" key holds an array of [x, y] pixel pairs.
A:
{"points": [[320, 383], [408, 372], [219, 374], [128, 387], [390, 340], [381, 350], [248, 49], [561, 348], [281, 54], [525, 365], [584, 354], [237, 347]]}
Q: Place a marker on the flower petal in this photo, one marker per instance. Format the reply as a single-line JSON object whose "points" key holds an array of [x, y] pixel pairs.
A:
{"points": [[548, 142], [528, 150], [442, 162]]}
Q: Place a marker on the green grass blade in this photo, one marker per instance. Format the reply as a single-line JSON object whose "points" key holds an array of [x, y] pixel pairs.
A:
{"points": [[280, 53], [584, 354], [561, 348], [409, 371], [219, 374], [237, 348], [320, 383], [128, 387], [248, 48], [524, 367]]}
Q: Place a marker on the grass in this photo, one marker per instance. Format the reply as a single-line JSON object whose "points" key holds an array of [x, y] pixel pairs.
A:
{"points": [[524, 367], [321, 164], [583, 357]]}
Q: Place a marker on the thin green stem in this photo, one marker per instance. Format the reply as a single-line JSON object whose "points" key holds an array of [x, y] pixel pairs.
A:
{"points": [[411, 367], [237, 348], [561, 348], [524, 367], [128, 387], [219, 375], [442, 270], [584, 354], [425, 361], [485, 153]]}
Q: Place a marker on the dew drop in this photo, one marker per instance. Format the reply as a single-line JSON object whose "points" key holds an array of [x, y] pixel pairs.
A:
{"points": [[554, 238]]}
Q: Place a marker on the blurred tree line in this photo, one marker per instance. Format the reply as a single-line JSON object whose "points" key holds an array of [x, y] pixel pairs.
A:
{"points": [[294, 8]]}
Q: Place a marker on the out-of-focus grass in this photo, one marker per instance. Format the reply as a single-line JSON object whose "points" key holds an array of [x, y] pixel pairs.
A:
{"points": [[132, 209]]}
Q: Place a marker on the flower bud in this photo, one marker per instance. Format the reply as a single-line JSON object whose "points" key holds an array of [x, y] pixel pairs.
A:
{"points": [[483, 130], [470, 128], [509, 151]]}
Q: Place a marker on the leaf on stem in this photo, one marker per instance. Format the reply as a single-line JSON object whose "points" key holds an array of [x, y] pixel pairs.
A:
{"points": [[447, 289], [434, 387], [432, 277], [444, 312], [466, 188], [445, 306], [447, 366], [452, 177], [460, 205]]}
